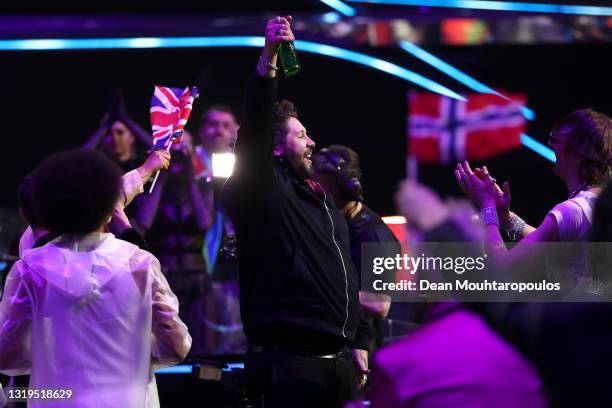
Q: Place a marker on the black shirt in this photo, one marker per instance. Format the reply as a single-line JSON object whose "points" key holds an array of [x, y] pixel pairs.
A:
{"points": [[293, 247], [367, 226]]}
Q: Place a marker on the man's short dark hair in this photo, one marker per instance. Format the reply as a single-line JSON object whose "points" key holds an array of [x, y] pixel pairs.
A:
{"points": [[283, 110], [74, 191], [342, 163], [349, 157], [216, 108], [24, 198]]}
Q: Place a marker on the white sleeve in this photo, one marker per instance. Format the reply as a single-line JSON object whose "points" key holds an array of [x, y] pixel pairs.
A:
{"points": [[15, 324], [131, 186], [2, 397], [171, 340], [569, 219], [26, 241]]}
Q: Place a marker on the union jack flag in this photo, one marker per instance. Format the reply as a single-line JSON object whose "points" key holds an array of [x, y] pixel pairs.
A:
{"points": [[170, 110], [442, 130]]}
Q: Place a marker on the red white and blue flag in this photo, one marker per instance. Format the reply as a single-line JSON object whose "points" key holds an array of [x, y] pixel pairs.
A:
{"points": [[170, 110], [442, 130]]}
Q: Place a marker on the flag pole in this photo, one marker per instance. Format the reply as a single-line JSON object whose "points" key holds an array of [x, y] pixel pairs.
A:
{"points": [[158, 171], [194, 94], [412, 168]]}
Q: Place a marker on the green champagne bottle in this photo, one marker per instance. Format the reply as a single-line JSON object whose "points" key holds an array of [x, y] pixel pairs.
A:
{"points": [[288, 59]]}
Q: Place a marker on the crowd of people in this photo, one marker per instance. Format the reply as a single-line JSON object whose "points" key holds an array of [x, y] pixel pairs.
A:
{"points": [[90, 303]]}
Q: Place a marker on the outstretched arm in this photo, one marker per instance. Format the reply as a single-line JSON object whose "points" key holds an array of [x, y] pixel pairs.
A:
{"points": [[122, 115], [482, 190], [255, 143], [515, 227], [142, 135], [96, 138], [132, 182]]}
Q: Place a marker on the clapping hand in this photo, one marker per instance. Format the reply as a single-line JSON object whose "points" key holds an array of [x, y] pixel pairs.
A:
{"points": [[502, 195], [480, 188]]}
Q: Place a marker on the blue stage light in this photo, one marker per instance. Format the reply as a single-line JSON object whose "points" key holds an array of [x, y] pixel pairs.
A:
{"points": [[233, 366], [199, 42], [177, 369], [123, 43], [538, 147], [376, 63], [251, 41], [499, 6], [330, 18], [341, 7], [477, 86], [456, 74]]}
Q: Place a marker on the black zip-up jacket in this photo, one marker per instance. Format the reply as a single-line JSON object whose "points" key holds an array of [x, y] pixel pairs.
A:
{"points": [[293, 247]]}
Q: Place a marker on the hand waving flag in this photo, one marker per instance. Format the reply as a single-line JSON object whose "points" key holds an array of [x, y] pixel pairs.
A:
{"points": [[170, 110]]}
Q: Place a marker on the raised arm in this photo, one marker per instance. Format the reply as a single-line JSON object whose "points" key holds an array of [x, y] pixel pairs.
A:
{"points": [[140, 133], [483, 192], [121, 114], [255, 143], [96, 138], [132, 182], [513, 225]]}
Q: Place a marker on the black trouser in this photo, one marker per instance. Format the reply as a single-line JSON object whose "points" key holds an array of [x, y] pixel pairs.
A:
{"points": [[287, 379]]}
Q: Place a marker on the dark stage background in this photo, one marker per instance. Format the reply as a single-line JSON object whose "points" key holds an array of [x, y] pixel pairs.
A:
{"points": [[55, 100]]}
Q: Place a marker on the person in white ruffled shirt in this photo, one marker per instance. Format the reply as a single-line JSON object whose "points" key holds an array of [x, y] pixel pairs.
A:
{"points": [[582, 143], [87, 311]]}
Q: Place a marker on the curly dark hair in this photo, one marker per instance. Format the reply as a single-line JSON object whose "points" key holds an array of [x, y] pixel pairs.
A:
{"points": [[75, 191], [283, 110], [589, 135]]}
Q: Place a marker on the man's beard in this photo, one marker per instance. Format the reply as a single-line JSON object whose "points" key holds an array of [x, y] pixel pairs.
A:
{"points": [[298, 165]]}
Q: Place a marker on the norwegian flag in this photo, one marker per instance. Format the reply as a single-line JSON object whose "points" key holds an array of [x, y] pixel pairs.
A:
{"points": [[170, 110], [442, 130]]}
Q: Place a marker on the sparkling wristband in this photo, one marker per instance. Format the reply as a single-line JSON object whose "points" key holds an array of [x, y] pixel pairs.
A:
{"points": [[267, 64], [514, 227], [488, 215]]}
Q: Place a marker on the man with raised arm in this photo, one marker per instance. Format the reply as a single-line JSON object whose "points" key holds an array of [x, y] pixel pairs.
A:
{"points": [[298, 286]]}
